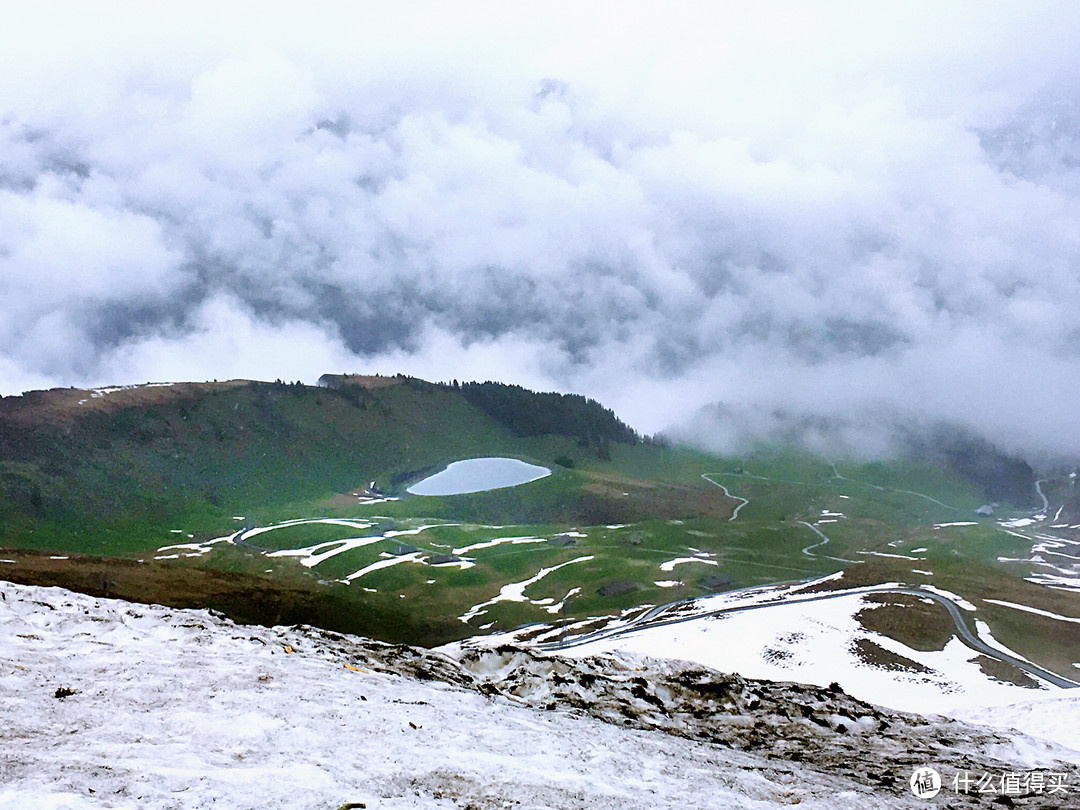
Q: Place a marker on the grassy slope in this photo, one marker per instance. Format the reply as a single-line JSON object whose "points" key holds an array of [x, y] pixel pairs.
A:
{"points": [[103, 480], [120, 474]]}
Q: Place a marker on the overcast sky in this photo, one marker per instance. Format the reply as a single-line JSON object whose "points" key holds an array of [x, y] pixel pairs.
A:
{"points": [[865, 212]]}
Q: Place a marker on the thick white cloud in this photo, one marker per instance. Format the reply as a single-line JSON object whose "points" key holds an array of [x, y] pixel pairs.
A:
{"points": [[845, 209]]}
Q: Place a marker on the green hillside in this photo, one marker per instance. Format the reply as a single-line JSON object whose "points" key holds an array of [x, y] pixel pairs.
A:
{"points": [[278, 502], [103, 475]]}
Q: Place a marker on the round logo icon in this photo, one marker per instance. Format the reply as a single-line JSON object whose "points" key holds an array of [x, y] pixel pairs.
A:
{"points": [[925, 783]]}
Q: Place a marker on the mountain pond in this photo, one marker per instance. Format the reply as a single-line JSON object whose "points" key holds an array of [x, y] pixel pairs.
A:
{"points": [[479, 475]]}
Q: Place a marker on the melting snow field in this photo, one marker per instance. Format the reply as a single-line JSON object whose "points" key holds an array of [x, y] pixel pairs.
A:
{"points": [[179, 709], [515, 592], [814, 642], [669, 566], [479, 475]]}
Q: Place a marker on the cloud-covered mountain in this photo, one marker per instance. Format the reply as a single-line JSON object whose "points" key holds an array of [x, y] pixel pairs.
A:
{"points": [[847, 214]]}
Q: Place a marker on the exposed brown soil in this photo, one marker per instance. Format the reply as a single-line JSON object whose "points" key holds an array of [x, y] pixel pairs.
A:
{"points": [[875, 655], [1002, 671], [64, 404], [659, 499], [907, 619]]}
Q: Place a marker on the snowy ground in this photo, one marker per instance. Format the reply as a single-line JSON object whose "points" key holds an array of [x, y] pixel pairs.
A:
{"points": [[180, 709], [813, 642]]}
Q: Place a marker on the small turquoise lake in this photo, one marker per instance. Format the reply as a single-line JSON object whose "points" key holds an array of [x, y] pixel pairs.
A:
{"points": [[479, 475]]}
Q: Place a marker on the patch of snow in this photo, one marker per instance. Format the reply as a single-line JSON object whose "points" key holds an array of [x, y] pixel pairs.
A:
{"points": [[498, 541], [462, 564], [1017, 523], [351, 524], [964, 603], [813, 642], [199, 549], [1036, 611], [667, 583], [413, 557], [1053, 717], [670, 564], [982, 630], [515, 591], [956, 523], [310, 556]]}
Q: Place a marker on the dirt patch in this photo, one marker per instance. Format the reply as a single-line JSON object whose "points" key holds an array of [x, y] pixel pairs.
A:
{"points": [[660, 500], [917, 623], [1003, 671], [775, 655], [873, 654], [64, 404]]}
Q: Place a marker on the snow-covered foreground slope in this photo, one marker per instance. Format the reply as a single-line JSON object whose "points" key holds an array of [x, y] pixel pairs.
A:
{"points": [[181, 709], [818, 642]]}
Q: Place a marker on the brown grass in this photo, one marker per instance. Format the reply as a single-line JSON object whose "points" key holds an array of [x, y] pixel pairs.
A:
{"points": [[907, 619], [1002, 671], [659, 499], [875, 655], [64, 404], [245, 598]]}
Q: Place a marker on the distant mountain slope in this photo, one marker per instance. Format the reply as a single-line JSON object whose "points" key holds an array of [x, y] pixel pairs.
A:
{"points": [[104, 465]]}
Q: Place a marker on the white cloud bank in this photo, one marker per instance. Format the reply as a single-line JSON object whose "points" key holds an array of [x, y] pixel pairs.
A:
{"points": [[844, 209]]}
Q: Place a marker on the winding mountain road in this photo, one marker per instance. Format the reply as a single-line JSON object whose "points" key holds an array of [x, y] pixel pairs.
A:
{"points": [[734, 514], [807, 551], [652, 618], [1045, 502]]}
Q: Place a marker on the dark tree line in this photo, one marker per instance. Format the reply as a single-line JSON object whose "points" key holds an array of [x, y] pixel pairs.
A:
{"points": [[527, 413]]}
